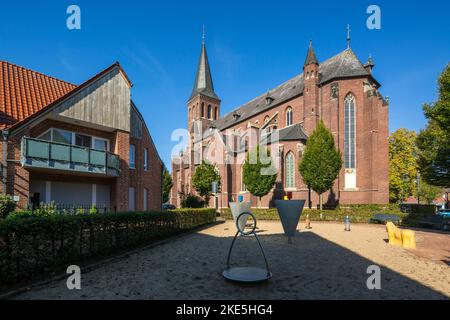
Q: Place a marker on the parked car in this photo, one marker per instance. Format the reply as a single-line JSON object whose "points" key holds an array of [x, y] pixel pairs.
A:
{"points": [[444, 212], [168, 206]]}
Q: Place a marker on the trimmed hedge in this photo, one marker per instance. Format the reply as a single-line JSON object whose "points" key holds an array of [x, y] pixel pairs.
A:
{"points": [[34, 245], [356, 213]]}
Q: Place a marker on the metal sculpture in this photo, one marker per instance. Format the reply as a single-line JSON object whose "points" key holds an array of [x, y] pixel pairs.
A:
{"points": [[289, 212], [246, 274]]}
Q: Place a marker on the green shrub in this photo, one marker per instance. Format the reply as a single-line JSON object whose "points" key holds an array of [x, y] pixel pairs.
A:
{"points": [[7, 205], [93, 209], [37, 244], [356, 213], [46, 210], [192, 201]]}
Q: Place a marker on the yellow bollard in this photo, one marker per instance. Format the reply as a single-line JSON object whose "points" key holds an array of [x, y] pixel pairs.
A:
{"points": [[409, 239], [394, 234]]}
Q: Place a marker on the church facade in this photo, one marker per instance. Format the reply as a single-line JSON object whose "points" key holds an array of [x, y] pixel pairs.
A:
{"points": [[341, 91]]}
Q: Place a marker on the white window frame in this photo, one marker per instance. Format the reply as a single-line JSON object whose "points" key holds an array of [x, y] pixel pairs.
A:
{"points": [[145, 159], [74, 133], [145, 198], [289, 117], [291, 187], [132, 163], [347, 132]]}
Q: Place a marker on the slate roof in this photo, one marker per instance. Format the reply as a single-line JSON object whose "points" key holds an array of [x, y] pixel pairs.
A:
{"points": [[291, 133], [203, 81], [24, 92], [343, 65], [311, 56]]}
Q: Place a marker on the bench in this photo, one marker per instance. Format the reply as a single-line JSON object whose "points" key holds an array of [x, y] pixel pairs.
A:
{"points": [[384, 218], [436, 221]]}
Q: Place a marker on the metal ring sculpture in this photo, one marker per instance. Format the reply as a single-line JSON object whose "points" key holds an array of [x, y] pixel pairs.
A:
{"points": [[246, 274]]}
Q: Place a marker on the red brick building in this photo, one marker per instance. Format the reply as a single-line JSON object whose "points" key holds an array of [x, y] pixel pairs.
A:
{"points": [[76, 146], [341, 91]]}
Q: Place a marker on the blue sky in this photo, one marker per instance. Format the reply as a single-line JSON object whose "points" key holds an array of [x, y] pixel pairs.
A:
{"points": [[252, 46]]}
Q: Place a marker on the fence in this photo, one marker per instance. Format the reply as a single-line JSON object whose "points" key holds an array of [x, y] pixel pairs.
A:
{"points": [[32, 245]]}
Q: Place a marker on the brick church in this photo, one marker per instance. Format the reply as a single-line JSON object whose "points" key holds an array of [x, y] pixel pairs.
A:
{"points": [[342, 91]]}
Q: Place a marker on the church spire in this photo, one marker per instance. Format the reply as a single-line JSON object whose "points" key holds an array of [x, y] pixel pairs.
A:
{"points": [[310, 56], [203, 80]]}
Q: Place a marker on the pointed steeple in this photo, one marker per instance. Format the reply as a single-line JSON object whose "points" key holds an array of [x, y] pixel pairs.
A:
{"points": [[310, 56], [203, 80]]}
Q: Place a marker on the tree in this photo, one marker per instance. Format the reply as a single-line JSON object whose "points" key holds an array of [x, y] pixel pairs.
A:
{"points": [[167, 185], [402, 164], [321, 161], [434, 141], [205, 174], [428, 192], [259, 174]]}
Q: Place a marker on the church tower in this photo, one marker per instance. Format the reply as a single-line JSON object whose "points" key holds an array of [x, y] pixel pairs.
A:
{"points": [[204, 104], [311, 91]]}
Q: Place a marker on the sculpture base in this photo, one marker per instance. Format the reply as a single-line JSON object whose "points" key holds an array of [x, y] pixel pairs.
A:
{"points": [[247, 274]]}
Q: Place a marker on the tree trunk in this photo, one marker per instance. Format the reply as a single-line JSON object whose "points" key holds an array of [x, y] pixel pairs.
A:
{"points": [[320, 202], [259, 202]]}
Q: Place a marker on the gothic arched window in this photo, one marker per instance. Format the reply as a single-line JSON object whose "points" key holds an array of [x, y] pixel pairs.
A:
{"points": [[350, 132], [243, 186], [216, 113], [289, 117], [289, 182], [203, 110], [209, 112]]}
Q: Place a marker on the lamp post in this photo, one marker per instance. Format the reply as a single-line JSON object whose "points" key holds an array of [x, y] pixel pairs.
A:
{"points": [[347, 223], [418, 187]]}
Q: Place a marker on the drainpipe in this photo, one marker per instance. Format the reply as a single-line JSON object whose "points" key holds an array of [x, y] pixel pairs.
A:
{"points": [[5, 135]]}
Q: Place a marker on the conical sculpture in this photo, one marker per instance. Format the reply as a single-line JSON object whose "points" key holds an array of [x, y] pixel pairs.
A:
{"points": [[237, 208], [289, 212]]}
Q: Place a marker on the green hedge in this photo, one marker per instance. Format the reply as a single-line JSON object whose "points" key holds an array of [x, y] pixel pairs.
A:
{"points": [[356, 213], [34, 245]]}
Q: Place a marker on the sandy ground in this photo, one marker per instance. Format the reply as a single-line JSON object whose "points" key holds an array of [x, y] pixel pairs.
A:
{"points": [[322, 263]]}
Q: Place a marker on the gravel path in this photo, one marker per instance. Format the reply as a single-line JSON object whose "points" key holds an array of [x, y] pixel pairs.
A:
{"points": [[322, 263]]}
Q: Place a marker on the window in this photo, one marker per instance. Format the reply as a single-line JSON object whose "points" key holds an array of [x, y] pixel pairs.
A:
{"points": [[47, 136], [203, 110], [131, 199], [216, 113], [209, 112], [243, 186], [266, 119], [290, 170], [349, 132], [145, 159], [132, 156], [83, 141], [145, 206], [62, 136], [289, 117], [100, 144]]}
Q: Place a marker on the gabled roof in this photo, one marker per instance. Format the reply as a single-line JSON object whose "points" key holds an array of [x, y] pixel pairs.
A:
{"points": [[44, 109], [203, 80], [24, 92], [343, 65], [291, 133]]}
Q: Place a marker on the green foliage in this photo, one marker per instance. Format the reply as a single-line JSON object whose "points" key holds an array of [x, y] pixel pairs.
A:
{"points": [[428, 192], [402, 165], [205, 174], [434, 141], [34, 245], [7, 205], [93, 209], [321, 161], [167, 185], [46, 210], [356, 213], [191, 201], [259, 173]]}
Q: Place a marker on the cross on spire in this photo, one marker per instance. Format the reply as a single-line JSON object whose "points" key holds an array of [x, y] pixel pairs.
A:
{"points": [[203, 34], [348, 36]]}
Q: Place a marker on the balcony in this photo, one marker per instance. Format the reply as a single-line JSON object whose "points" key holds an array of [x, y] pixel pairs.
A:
{"points": [[41, 154]]}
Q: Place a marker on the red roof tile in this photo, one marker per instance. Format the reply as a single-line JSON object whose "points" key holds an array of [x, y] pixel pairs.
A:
{"points": [[24, 92]]}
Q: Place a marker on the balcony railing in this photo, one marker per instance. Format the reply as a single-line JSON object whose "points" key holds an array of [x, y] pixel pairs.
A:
{"points": [[53, 155]]}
